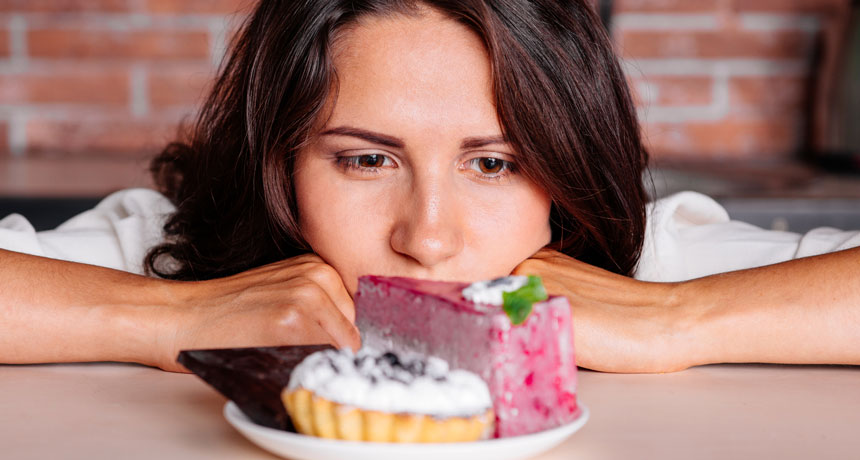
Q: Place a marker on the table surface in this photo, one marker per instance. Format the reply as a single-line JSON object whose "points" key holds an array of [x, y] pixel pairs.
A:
{"points": [[110, 411]]}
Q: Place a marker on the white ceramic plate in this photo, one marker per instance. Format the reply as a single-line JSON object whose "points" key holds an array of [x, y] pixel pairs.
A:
{"points": [[301, 447]]}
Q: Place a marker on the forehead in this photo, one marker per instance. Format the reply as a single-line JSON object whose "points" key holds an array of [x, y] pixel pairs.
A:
{"points": [[425, 69]]}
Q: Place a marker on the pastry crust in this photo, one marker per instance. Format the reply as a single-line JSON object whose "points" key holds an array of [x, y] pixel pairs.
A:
{"points": [[316, 416]]}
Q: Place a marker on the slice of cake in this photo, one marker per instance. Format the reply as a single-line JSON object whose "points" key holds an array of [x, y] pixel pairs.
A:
{"points": [[529, 367]]}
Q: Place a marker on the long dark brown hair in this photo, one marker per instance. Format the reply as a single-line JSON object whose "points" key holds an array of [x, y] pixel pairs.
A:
{"points": [[561, 97]]}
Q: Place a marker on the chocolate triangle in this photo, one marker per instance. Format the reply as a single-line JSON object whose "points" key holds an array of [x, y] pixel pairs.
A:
{"points": [[251, 377]]}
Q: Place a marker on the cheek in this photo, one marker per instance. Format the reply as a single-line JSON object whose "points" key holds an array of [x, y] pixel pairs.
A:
{"points": [[510, 230], [342, 227], [535, 228]]}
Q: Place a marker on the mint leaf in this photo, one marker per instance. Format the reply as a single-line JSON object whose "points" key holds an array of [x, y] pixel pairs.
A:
{"points": [[518, 304], [517, 308]]}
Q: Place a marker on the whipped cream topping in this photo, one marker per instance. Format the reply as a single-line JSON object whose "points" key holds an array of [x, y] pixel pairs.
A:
{"points": [[386, 382], [490, 292]]}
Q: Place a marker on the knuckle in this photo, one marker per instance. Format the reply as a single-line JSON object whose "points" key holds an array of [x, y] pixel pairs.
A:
{"points": [[289, 318], [305, 291], [323, 274]]}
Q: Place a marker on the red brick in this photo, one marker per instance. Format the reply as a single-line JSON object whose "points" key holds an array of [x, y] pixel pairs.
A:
{"points": [[101, 137], [64, 6], [4, 43], [716, 44], [769, 94], [639, 99], [90, 88], [200, 6], [790, 6], [671, 91], [4, 138], [732, 138], [141, 44], [179, 87], [666, 6]]}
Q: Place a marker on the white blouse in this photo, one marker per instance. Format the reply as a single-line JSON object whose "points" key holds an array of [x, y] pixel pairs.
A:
{"points": [[688, 235]]}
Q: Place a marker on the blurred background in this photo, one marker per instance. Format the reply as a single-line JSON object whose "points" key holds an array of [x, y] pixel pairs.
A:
{"points": [[754, 102]]}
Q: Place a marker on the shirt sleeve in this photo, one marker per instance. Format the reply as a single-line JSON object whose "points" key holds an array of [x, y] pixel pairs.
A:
{"points": [[116, 233], [689, 235]]}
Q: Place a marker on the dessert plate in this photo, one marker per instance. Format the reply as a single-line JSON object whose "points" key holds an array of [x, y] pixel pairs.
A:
{"points": [[301, 447]]}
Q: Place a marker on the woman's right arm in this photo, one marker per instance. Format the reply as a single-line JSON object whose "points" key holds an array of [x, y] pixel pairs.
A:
{"points": [[57, 311]]}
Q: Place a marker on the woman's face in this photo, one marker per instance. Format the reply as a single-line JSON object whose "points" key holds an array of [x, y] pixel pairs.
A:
{"points": [[410, 175]]}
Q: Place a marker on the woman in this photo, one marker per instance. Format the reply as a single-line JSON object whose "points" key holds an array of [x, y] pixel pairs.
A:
{"points": [[448, 140]]}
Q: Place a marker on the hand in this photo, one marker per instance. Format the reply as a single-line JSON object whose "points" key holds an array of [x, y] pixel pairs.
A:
{"points": [[297, 301], [619, 324]]}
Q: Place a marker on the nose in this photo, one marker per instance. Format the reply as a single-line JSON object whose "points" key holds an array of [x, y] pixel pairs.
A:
{"points": [[429, 225]]}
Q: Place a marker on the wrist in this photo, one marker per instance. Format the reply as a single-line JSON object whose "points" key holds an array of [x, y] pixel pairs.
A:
{"points": [[674, 325], [147, 323], [693, 319]]}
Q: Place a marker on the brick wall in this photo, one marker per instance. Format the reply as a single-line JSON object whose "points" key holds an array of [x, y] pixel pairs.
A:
{"points": [[723, 78], [104, 77], [91, 78]]}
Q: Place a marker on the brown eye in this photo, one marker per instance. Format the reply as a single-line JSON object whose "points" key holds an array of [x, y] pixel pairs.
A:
{"points": [[371, 161], [491, 165]]}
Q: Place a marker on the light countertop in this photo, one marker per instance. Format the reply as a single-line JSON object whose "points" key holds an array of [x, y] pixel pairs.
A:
{"points": [[111, 411]]}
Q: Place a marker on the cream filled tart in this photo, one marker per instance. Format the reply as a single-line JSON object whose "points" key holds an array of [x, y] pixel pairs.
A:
{"points": [[383, 397]]}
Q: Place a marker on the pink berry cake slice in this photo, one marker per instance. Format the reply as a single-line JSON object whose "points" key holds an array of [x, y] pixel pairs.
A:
{"points": [[529, 367]]}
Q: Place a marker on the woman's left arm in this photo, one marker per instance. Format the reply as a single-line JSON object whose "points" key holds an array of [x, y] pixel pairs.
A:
{"points": [[804, 311]]}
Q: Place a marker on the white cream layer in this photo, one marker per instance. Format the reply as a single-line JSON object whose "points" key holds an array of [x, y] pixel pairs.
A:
{"points": [[347, 378], [490, 291]]}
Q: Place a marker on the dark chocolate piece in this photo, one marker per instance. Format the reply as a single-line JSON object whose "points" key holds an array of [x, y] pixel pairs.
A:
{"points": [[251, 377]]}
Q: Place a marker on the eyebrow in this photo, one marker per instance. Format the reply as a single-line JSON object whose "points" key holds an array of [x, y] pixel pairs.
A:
{"points": [[394, 142]]}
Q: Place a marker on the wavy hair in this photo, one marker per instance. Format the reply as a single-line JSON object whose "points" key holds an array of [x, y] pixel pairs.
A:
{"points": [[561, 97]]}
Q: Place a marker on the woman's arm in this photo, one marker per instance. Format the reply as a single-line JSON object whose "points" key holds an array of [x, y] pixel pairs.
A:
{"points": [[56, 311], [805, 311]]}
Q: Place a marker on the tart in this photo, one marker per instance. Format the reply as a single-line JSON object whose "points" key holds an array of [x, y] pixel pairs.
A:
{"points": [[386, 397]]}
